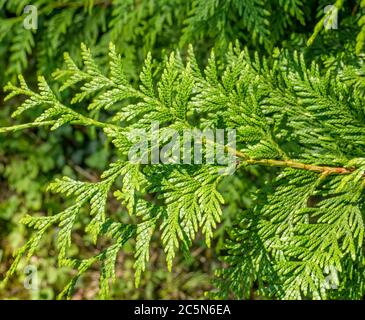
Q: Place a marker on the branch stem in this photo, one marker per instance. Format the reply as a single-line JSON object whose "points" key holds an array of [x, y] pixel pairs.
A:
{"points": [[299, 165], [326, 170]]}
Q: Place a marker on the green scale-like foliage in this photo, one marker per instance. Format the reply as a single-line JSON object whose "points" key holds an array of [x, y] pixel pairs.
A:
{"points": [[289, 115], [137, 27]]}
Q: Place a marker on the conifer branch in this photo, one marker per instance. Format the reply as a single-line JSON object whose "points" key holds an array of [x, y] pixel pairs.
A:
{"points": [[285, 114]]}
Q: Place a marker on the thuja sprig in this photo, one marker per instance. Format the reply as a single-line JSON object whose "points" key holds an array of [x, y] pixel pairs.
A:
{"points": [[293, 117]]}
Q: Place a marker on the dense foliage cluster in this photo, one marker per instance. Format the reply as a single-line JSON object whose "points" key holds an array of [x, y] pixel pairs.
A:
{"points": [[289, 224]]}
